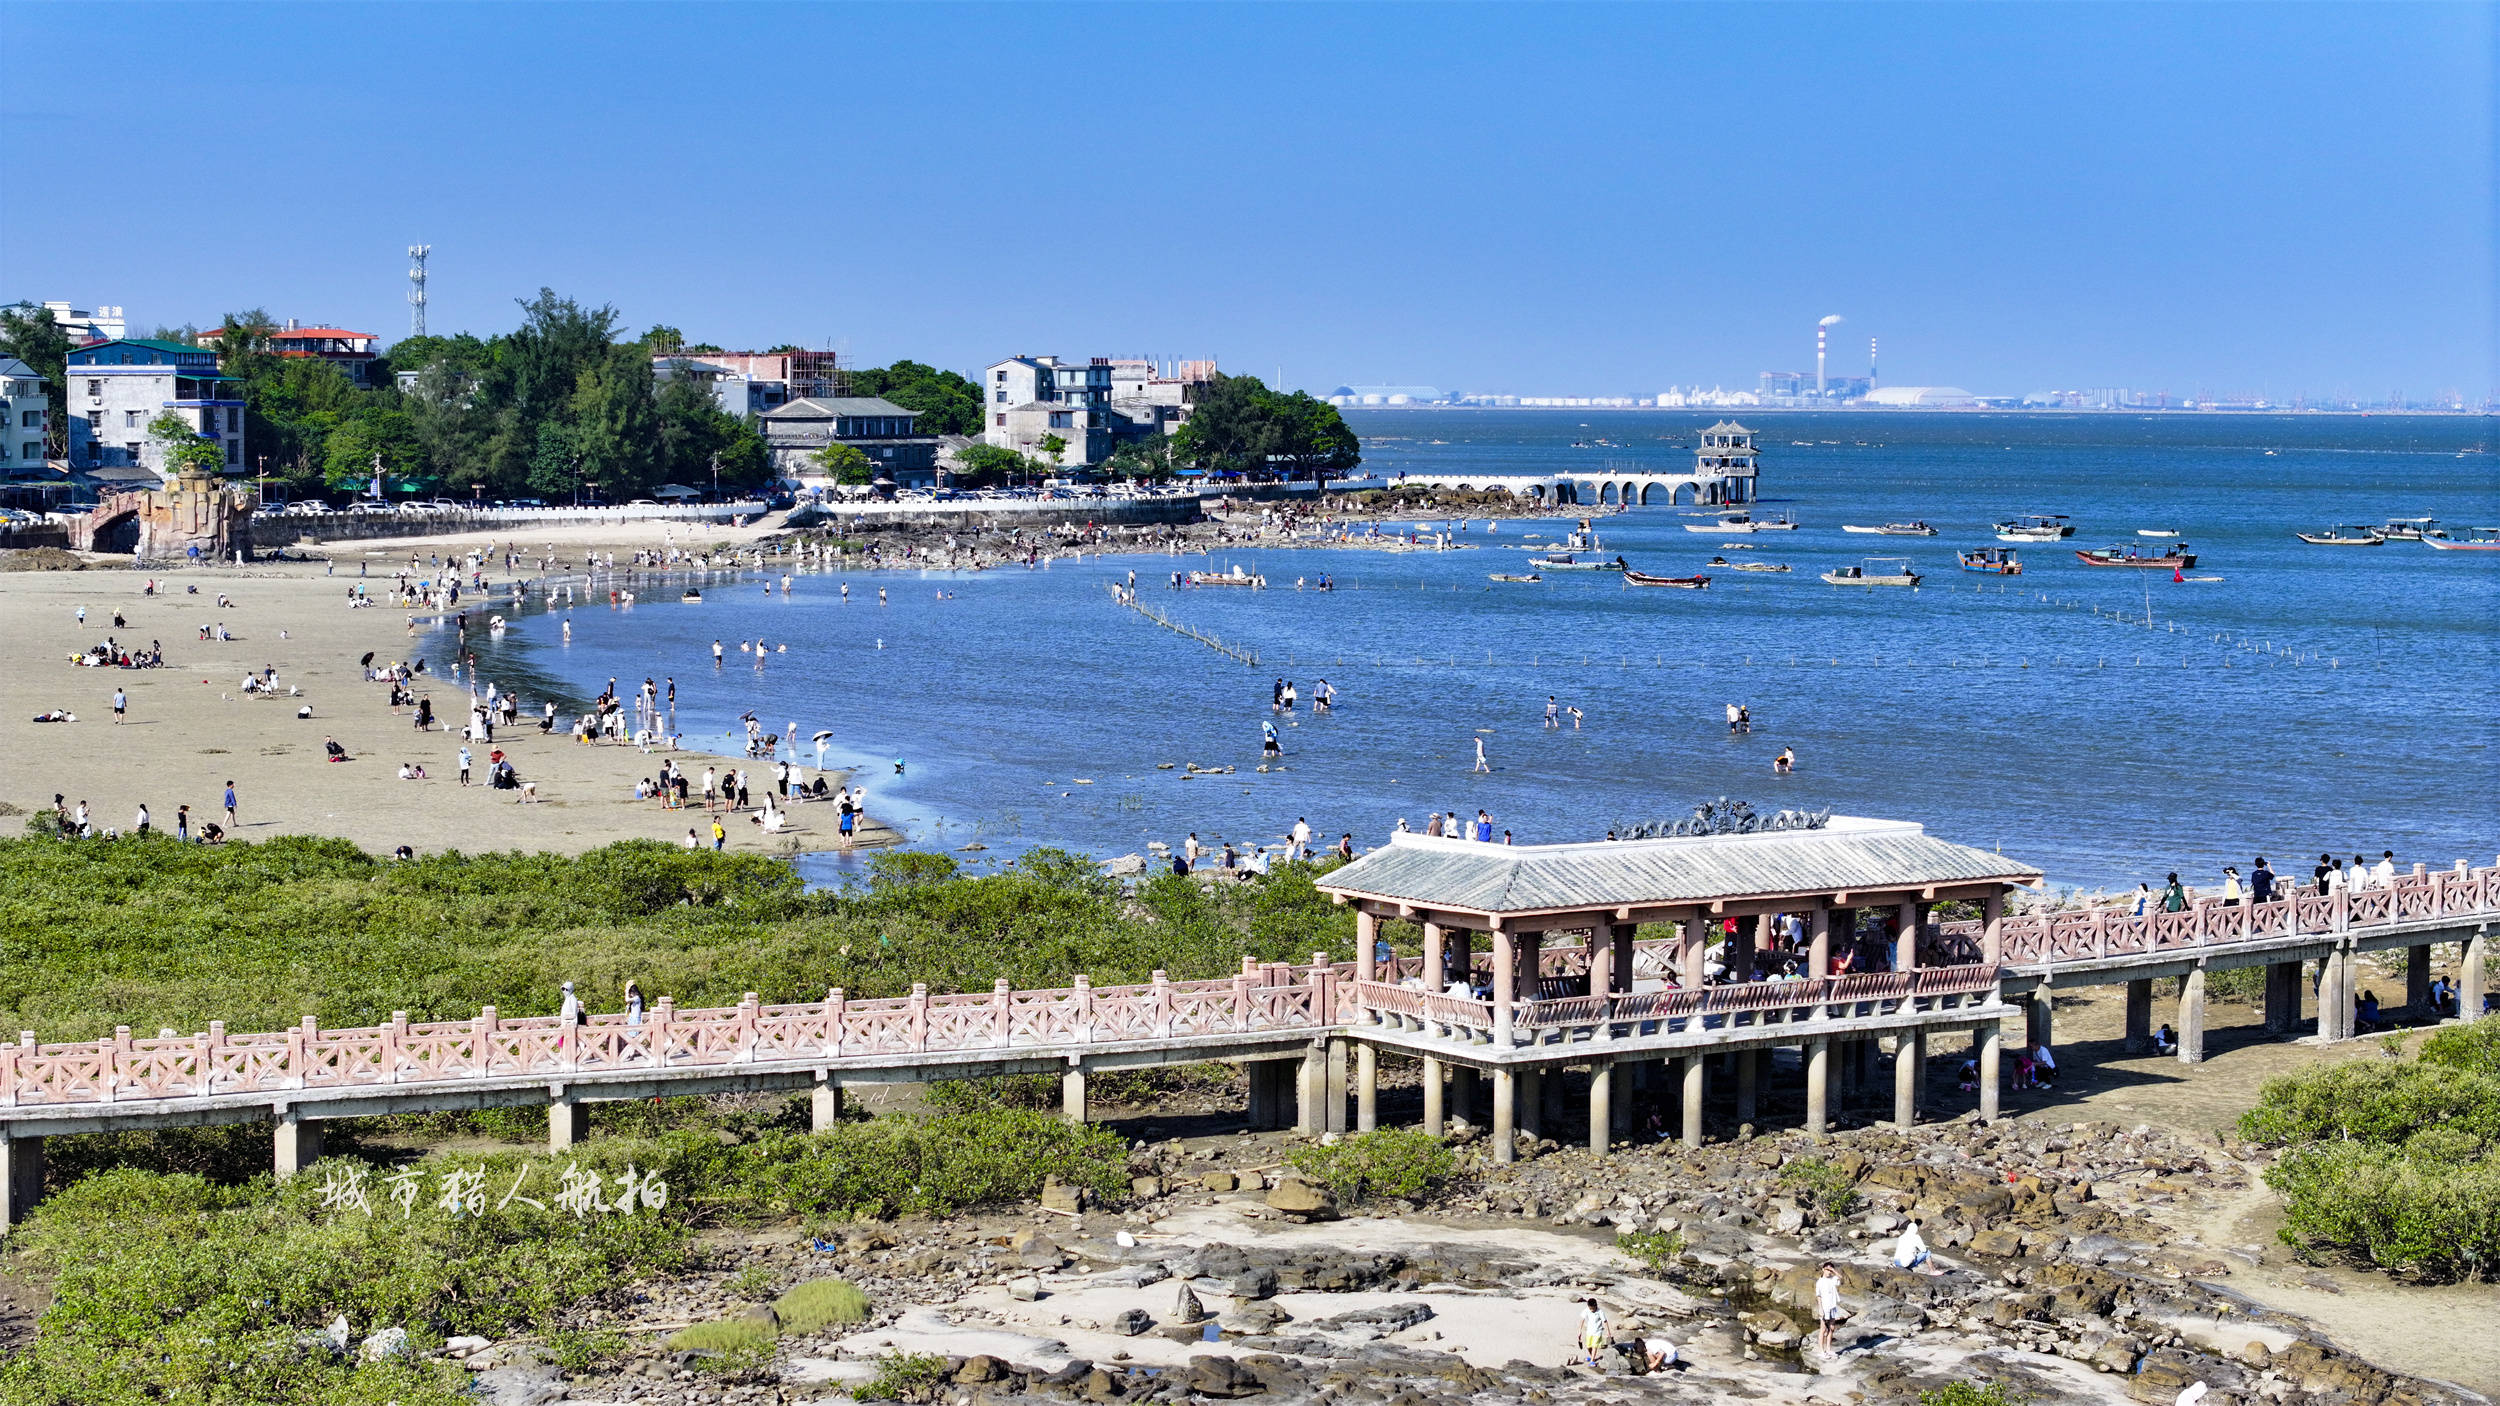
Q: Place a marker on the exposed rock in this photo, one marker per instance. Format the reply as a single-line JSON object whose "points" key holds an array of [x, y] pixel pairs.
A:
{"points": [[1186, 1308], [1255, 1283], [389, 1342], [1058, 1195], [1129, 1322], [1025, 1288], [1297, 1197], [1219, 1181], [983, 1368]]}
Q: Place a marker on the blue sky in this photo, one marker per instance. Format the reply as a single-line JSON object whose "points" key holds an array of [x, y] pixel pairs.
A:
{"points": [[1533, 199]]}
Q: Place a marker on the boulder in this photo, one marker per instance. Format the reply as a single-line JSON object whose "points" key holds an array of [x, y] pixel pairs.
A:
{"points": [[1129, 1322], [1058, 1195], [1296, 1197], [389, 1342], [1025, 1288], [1219, 1181], [1254, 1283], [761, 1315], [1210, 1375], [1145, 1188], [983, 1368], [1099, 1385], [1997, 1244], [2116, 1355], [1258, 1316], [1186, 1308]]}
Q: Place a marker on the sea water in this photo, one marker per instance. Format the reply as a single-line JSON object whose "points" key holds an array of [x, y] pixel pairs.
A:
{"points": [[2107, 725]]}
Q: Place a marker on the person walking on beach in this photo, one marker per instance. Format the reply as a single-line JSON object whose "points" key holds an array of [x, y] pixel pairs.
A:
{"points": [[1269, 744], [140, 826], [711, 788], [182, 823], [464, 766], [1592, 1331], [720, 836], [1481, 764], [1302, 837], [121, 705], [1826, 1303], [231, 822]]}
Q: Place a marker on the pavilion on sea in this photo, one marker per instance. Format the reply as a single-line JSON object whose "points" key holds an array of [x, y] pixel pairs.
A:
{"points": [[1769, 950]]}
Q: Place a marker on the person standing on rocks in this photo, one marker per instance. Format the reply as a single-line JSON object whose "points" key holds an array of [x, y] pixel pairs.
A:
{"points": [[1826, 1303], [1592, 1330]]}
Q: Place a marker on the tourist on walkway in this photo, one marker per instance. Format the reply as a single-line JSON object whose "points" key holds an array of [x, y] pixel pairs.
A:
{"points": [[2324, 875], [2230, 886], [1826, 1303], [2383, 875], [2143, 900], [2174, 898], [2261, 882], [633, 1003]]}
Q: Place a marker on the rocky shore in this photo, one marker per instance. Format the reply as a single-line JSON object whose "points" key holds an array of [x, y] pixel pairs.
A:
{"points": [[2068, 1264]]}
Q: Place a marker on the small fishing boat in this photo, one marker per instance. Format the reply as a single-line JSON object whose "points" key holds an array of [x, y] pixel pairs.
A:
{"points": [[2439, 540], [1741, 521], [2341, 535], [1991, 561], [1515, 576], [2173, 558], [1745, 565], [1568, 562], [2406, 529], [1234, 577], [692, 596], [1877, 571], [1892, 529], [1683, 583], [2035, 528], [2157, 532]]}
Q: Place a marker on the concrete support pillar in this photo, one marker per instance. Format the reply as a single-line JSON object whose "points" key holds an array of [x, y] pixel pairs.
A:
{"points": [[297, 1145], [2192, 1017], [2282, 997], [1992, 928], [21, 1177], [1333, 1111], [1619, 964], [1271, 1092], [2470, 979], [1692, 1099], [1434, 1122], [1527, 1101], [1072, 1094], [1467, 1094], [568, 1122], [1549, 1097], [1918, 1065], [1436, 968], [1818, 1084], [2335, 997], [1366, 1088], [1904, 1081], [1905, 942], [1601, 1106], [1505, 1125], [824, 1103], [2039, 1021], [1748, 1081], [1819, 943], [1505, 986], [1991, 1063], [2418, 980], [1311, 1090], [2139, 1015]]}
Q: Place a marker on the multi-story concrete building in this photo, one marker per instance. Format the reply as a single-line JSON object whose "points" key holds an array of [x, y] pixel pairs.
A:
{"points": [[734, 388], [21, 434], [1092, 407], [118, 388], [803, 375], [351, 352], [887, 433], [98, 324]]}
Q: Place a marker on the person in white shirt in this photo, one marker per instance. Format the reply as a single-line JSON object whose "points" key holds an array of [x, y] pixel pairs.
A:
{"points": [[1827, 1302], [1592, 1330], [1910, 1251], [2383, 873]]}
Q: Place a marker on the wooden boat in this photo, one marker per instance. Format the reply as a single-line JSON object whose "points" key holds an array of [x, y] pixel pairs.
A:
{"points": [[1878, 571], [2406, 529], [1893, 529], [1234, 577], [2337, 537], [1746, 565], [2174, 558], [2438, 540], [2035, 528], [1991, 561], [1514, 576], [1684, 583], [1567, 562], [1741, 521], [2157, 532]]}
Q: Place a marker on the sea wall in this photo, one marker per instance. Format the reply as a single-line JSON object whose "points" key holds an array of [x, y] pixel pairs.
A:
{"points": [[270, 531]]}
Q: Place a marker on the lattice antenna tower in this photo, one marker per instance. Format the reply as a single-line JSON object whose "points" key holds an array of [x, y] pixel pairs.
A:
{"points": [[416, 288]]}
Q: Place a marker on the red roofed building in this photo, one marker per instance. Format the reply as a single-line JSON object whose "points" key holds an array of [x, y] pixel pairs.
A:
{"points": [[351, 352]]}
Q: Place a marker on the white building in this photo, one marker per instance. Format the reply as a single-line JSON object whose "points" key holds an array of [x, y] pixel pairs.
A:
{"points": [[1922, 397], [736, 386], [21, 434], [118, 388], [100, 324]]}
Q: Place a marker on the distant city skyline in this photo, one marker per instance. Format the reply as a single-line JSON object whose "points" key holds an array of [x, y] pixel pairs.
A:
{"points": [[2293, 202]]}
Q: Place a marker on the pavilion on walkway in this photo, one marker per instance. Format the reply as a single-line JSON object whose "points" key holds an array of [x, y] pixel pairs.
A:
{"points": [[1564, 982]]}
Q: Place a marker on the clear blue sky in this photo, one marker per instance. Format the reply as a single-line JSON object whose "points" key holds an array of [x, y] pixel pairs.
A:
{"points": [[1512, 198]]}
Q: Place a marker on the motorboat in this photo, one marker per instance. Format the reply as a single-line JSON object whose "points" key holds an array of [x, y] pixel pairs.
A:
{"points": [[2439, 540], [1234, 577], [1515, 576], [1741, 521], [2343, 536], [1991, 561], [2157, 532], [1568, 562], [1876, 571], [2406, 529], [1683, 583], [2035, 527], [1892, 529], [2175, 557], [1725, 564]]}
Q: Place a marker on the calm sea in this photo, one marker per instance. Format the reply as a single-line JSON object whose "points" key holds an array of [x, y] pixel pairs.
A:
{"points": [[2312, 698]]}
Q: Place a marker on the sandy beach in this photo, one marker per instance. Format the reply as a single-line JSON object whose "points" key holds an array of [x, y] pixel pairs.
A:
{"points": [[191, 728]]}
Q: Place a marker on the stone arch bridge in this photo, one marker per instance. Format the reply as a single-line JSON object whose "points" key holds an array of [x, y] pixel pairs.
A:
{"points": [[1601, 488]]}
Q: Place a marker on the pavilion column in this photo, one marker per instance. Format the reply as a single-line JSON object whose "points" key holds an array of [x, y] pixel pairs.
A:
{"points": [[1818, 1084], [1992, 929], [1740, 951], [1904, 1080], [1690, 952], [1436, 964], [1505, 988], [1601, 1104], [1434, 1122], [1312, 1091], [1905, 944], [1332, 1112], [1619, 958], [1918, 1064], [1505, 1125], [1366, 1087], [2470, 977], [1692, 1098], [1991, 1060], [1528, 950], [1819, 938], [824, 1103], [2192, 1016], [1366, 937], [2139, 1015]]}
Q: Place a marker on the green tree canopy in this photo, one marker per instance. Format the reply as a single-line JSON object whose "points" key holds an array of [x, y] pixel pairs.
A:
{"points": [[1241, 426], [185, 452], [30, 333], [987, 465], [947, 403], [1146, 458], [845, 464]]}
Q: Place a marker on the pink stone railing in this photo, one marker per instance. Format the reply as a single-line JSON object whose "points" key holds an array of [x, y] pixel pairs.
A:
{"points": [[123, 1068], [1758, 1002], [2090, 934]]}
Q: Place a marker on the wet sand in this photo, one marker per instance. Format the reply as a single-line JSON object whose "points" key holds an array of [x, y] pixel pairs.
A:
{"points": [[191, 728]]}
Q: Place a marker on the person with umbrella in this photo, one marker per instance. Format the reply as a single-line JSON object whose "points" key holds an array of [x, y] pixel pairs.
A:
{"points": [[821, 739]]}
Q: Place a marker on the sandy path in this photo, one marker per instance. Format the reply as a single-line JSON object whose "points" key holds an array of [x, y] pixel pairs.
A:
{"points": [[191, 728]]}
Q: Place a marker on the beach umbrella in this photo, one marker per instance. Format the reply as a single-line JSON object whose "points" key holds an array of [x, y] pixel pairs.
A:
{"points": [[368, 659], [825, 735]]}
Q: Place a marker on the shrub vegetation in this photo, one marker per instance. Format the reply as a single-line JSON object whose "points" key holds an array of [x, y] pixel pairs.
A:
{"points": [[2393, 1163], [1383, 1163]]}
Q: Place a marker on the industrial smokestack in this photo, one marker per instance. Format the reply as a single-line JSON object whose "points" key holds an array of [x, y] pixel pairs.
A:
{"points": [[1822, 331], [1871, 346]]}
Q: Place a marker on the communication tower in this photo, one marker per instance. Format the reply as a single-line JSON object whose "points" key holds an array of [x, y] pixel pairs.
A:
{"points": [[416, 288]]}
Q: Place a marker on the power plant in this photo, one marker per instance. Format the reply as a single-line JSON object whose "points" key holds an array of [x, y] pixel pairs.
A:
{"points": [[1822, 331], [1792, 388]]}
